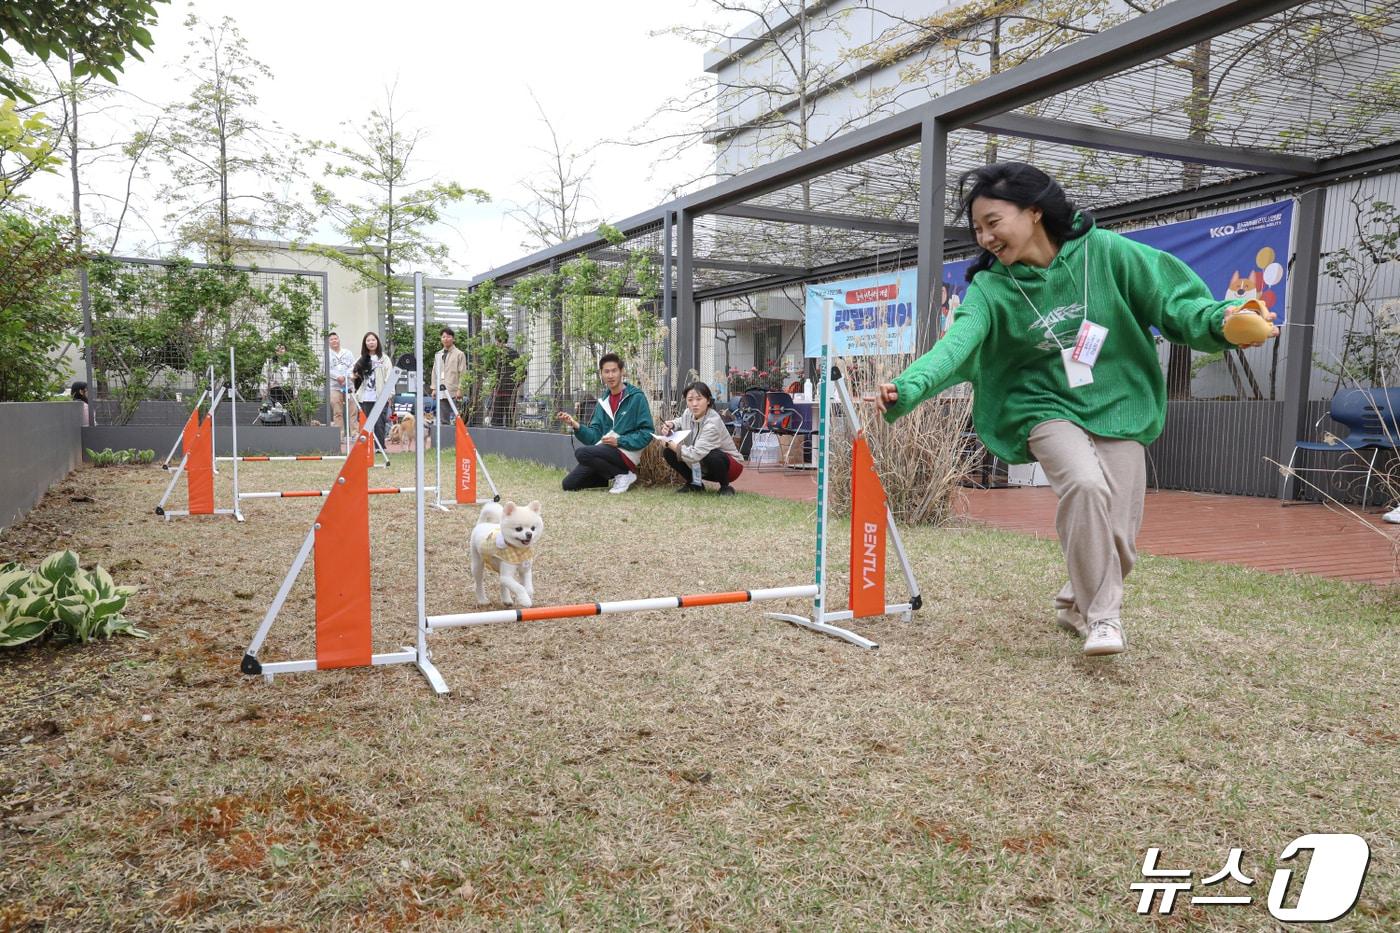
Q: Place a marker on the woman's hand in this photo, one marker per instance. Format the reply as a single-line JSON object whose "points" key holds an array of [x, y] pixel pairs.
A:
{"points": [[568, 419], [675, 446], [886, 395], [1256, 307], [668, 426]]}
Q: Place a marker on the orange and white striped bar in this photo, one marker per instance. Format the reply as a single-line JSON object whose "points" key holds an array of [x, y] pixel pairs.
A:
{"points": [[251, 459], [322, 493], [540, 613]]}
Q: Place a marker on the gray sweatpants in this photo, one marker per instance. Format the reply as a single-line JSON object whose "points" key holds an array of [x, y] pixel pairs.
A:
{"points": [[1100, 483]]}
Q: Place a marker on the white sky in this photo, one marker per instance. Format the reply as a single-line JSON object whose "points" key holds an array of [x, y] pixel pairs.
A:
{"points": [[463, 71]]}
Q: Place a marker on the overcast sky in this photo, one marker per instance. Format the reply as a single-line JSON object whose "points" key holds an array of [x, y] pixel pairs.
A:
{"points": [[464, 71]]}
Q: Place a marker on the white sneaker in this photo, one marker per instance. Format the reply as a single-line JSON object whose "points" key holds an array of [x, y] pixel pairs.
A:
{"points": [[622, 482], [1393, 516], [1105, 637], [1070, 621]]}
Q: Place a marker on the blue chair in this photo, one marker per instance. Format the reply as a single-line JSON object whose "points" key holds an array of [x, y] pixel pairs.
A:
{"points": [[1372, 419]]}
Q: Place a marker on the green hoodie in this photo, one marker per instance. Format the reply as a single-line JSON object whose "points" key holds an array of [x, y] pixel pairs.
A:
{"points": [[999, 343], [633, 423]]}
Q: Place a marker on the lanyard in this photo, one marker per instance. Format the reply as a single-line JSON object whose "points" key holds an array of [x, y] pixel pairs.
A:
{"points": [[1040, 319]]}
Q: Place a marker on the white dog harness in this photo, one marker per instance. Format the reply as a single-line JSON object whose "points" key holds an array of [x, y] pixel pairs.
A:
{"points": [[495, 550]]}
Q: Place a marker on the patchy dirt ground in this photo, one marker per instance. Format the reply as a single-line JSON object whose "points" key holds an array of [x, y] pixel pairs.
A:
{"points": [[693, 769]]}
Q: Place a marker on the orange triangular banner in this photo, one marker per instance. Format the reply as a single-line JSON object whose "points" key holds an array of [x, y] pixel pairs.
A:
{"points": [[868, 526], [199, 465], [466, 466], [342, 568]]}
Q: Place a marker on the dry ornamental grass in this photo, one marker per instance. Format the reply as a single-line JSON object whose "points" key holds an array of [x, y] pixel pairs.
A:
{"points": [[691, 769]]}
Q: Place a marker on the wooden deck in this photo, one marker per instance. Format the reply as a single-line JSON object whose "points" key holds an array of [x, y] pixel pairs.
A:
{"points": [[1258, 533]]}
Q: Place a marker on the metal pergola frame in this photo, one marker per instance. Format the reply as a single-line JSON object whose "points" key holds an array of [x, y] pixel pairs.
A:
{"points": [[987, 106]]}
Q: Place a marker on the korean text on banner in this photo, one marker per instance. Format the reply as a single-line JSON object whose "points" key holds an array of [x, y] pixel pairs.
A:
{"points": [[872, 316]]}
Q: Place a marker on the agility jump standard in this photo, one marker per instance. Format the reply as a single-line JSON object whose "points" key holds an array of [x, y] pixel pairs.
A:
{"points": [[466, 462], [340, 539]]}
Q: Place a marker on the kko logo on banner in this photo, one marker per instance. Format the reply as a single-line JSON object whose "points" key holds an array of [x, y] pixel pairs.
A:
{"points": [[872, 316]]}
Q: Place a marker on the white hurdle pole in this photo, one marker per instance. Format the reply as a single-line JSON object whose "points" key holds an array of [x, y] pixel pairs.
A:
{"points": [[541, 613], [233, 425], [424, 657]]}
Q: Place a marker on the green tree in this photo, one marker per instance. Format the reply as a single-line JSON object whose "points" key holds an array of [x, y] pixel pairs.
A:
{"points": [[26, 148], [37, 304], [389, 218], [224, 164], [99, 33]]}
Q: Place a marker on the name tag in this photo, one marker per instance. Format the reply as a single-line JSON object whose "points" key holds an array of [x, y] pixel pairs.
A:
{"points": [[1089, 342], [1078, 374]]}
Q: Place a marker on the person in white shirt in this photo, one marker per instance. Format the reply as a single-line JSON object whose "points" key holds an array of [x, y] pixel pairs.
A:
{"points": [[340, 361], [371, 373]]}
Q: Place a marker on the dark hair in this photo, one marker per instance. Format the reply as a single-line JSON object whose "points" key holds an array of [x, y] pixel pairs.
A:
{"points": [[364, 344], [610, 358], [1025, 186], [331, 334], [702, 389], [449, 332], [78, 391]]}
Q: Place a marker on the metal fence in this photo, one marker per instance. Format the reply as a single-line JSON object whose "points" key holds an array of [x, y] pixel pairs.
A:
{"points": [[157, 326]]}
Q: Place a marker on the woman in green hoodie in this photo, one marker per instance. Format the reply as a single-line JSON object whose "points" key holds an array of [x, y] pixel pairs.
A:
{"points": [[1055, 335]]}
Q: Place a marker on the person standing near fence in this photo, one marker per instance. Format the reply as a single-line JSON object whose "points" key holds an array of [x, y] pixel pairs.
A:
{"points": [[1056, 336], [449, 365], [340, 361], [371, 373]]}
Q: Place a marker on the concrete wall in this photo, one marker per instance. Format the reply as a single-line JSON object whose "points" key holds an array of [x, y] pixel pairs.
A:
{"points": [[41, 447], [252, 439], [555, 450]]}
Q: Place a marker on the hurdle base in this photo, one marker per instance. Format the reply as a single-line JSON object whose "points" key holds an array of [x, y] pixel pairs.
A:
{"points": [[183, 513], [834, 631], [406, 655]]}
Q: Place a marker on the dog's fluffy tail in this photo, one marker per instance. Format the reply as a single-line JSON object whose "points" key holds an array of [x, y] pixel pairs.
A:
{"points": [[491, 514]]}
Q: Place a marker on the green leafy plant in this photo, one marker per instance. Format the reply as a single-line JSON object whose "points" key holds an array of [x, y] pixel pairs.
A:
{"points": [[109, 457], [76, 604]]}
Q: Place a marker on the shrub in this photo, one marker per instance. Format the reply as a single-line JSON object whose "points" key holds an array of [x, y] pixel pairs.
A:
{"points": [[75, 604], [109, 457]]}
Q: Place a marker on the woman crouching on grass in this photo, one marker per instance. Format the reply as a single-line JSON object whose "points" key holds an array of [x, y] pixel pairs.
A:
{"points": [[707, 452], [1055, 335]]}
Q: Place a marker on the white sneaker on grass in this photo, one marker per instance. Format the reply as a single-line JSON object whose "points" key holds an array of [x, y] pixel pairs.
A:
{"points": [[1393, 516], [622, 482], [1105, 637], [1072, 622]]}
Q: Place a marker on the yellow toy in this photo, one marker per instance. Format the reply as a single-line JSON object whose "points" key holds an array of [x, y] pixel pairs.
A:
{"points": [[1247, 325]]}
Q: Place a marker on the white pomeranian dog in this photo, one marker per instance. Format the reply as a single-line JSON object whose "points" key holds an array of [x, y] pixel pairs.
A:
{"points": [[504, 540]]}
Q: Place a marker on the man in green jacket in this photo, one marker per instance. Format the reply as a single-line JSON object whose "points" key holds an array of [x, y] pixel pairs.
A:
{"points": [[614, 440]]}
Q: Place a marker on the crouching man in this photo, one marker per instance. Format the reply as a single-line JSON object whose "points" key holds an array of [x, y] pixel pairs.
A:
{"points": [[614, 440]]}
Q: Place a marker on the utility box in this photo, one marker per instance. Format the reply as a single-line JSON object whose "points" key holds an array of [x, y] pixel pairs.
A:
{"points": [[1026, 474]]}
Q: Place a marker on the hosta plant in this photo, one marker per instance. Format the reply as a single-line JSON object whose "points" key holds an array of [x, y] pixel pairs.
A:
{"points": [[76, 604]]}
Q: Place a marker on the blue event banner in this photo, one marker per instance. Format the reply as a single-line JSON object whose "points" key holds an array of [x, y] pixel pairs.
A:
{"points": [[873, 315], [1240, 255]]}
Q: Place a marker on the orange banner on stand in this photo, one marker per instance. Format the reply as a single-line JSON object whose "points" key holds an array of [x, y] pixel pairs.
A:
{"points": [[466, 466], [342, 569], [187, 432], [868, 527], [199, 466]]}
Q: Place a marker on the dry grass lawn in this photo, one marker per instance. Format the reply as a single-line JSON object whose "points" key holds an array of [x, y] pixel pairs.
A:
{"points": [[695, 769]]}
